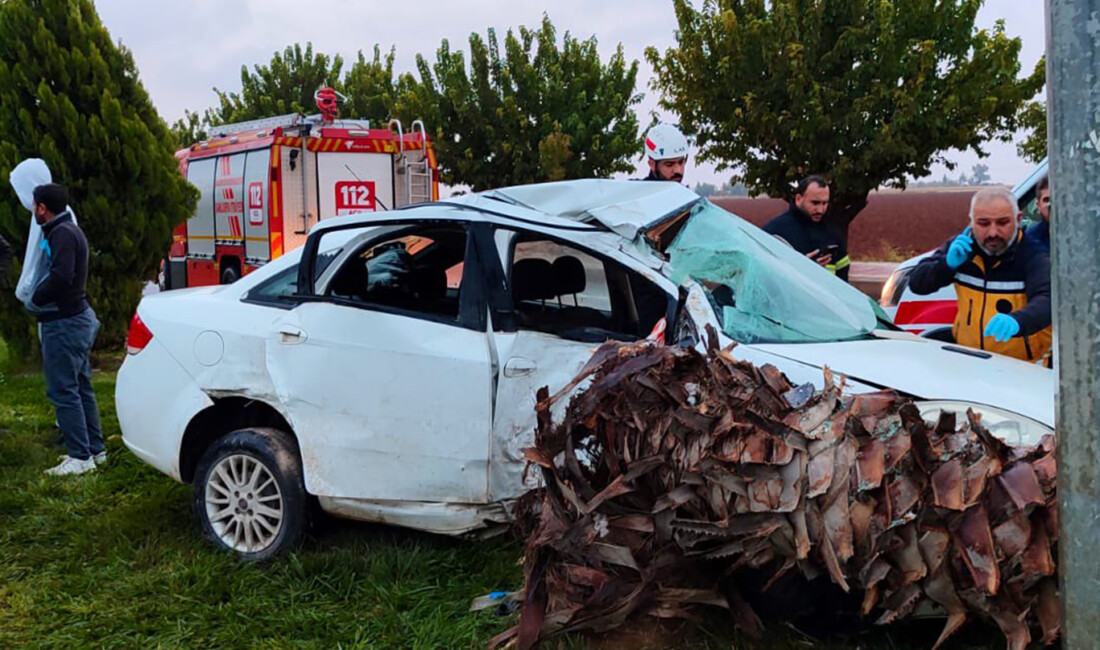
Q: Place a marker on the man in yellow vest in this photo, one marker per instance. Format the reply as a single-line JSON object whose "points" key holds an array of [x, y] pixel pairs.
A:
{"points": [[1001, 278]]}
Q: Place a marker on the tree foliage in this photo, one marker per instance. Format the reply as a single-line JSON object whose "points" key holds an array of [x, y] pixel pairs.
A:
{"points": [[70, 96], [534, 112], [284, 85], [1033, 119], [189, 129], [870, 92], [981, 174], [370, 88]]}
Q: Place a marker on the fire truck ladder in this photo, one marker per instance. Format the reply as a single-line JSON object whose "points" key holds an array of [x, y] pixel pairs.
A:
{"points": [[279, 121], [418, 175]]}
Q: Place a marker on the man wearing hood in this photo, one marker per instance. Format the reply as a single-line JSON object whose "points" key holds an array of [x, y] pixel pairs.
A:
{"points": [[1001, 277]]}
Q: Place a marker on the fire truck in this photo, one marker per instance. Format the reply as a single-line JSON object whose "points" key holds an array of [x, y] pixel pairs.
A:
{"points": [[263, 184]]}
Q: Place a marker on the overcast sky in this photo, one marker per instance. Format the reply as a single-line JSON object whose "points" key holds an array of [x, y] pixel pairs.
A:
{"points": [[184, 49]]}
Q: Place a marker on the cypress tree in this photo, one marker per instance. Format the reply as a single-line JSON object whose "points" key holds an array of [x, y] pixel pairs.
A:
{"points": [[71, 96]]}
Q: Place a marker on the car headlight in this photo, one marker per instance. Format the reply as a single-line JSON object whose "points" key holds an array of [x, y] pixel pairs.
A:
{"points": [[893, 288], [1015, 429]]}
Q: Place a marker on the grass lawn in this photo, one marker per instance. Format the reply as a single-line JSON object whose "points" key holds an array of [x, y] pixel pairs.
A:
{"points": [[114, 559]]}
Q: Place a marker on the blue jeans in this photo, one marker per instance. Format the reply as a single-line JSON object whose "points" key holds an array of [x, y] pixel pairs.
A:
{"points": [[66, 345]]}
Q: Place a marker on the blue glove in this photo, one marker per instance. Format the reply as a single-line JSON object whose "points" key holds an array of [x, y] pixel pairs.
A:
{"points": [[1002, 327], [960, 248]]}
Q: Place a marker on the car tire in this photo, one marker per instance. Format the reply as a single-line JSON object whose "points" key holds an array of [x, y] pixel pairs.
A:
{"points": [[230, 274], [249, 495]]}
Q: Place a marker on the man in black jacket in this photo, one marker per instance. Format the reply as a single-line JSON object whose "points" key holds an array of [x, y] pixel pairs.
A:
{"points": [[804, 227], [5, 256], [68, 327]]}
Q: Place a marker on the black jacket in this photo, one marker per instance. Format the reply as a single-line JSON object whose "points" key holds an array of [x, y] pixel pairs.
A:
{"points": [[64, 287], [806, 235], [5, 256]]}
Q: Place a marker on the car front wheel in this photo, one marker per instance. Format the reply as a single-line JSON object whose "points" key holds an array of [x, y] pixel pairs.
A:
{"points": [[249, 494]]}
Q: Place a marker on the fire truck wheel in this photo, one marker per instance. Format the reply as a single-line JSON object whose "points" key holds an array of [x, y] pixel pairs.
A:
{"points": [[230, 274]]}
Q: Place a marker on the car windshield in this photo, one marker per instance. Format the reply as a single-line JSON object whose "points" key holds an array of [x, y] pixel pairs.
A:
{"points": [[762, 289]]}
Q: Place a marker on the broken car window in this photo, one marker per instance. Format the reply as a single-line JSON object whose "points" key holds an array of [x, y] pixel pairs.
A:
{"points": [[762, 290], [417, 270], [567, 292]]}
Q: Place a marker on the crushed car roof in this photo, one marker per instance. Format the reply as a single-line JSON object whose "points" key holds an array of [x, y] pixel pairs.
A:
{"points": [[622, 206]]}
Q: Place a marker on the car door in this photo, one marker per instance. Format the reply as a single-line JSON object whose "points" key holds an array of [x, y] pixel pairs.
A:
{"points": [[387, 386], [562, 302]]}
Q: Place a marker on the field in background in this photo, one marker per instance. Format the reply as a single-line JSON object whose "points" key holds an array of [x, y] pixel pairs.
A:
{"points": [[893, 227]]}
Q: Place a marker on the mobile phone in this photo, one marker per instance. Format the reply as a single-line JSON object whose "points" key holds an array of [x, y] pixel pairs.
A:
{"points": [[831, 249]]}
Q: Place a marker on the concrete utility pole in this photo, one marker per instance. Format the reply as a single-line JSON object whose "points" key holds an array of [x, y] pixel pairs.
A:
{"points": [[1073, 120]]}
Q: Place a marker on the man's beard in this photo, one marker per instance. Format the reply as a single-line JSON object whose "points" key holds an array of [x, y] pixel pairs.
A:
{"points": [[993, 245], [1003, 247], [675, 177]]}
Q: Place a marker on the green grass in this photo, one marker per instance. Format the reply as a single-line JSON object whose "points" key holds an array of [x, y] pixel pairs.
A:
{"points": [[114, 559]]}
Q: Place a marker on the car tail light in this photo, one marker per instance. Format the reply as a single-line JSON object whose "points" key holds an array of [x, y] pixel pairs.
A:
{"points": [[138, 337]]}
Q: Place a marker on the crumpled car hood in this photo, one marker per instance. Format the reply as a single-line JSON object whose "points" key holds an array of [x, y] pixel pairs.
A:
{"points": [[926, 369]]}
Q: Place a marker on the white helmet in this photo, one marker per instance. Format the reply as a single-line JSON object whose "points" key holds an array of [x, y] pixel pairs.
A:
{"points": [[664, 142]]}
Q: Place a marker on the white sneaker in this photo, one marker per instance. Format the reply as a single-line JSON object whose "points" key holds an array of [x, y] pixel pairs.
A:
{"points": [[98, 459], [72, 466]]}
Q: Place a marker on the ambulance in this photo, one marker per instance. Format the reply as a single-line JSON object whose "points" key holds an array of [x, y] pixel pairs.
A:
{"points": [[263, 184]]}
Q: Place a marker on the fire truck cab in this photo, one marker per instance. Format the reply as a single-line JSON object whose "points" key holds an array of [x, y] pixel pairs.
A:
{"points": [[263, 184]]}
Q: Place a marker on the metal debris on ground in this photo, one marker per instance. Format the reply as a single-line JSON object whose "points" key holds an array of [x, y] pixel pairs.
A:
{"points": [[674, 472]]}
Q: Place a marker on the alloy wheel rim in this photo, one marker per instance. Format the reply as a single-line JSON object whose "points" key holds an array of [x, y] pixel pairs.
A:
{"points": [[244, 504]]}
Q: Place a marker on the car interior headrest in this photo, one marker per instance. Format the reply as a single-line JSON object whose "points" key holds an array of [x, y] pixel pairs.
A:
{"points": [[569, 277], [351, 281], [532, 279], [431, 283]]}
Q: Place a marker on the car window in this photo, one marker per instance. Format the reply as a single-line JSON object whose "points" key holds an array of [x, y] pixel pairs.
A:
{"points": [[562, 290], [579, 278], [763, 290], [416, 270], [279, 290], [1030, 209]]}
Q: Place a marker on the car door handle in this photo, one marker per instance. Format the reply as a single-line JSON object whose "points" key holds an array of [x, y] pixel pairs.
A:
{"points": [[519, 367], [291, 335]]}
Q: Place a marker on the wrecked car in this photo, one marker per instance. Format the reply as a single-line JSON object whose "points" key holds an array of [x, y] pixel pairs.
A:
{"points": [[389, 366]]}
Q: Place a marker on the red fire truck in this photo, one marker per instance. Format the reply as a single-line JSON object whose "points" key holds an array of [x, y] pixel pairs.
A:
{"points": [[264, 183]]}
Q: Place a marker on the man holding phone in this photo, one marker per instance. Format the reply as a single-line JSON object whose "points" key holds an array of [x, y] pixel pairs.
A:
{"points": [[804, 227], [1001, 278]]}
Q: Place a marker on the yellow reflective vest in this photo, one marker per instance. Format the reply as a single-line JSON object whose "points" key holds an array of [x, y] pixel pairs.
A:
{"points": [[1015, 283]]}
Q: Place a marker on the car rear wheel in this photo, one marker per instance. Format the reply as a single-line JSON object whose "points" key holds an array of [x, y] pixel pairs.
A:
{"points": [[249, 494]]}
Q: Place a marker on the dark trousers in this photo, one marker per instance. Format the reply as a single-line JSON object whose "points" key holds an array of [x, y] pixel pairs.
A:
{"points": [[66, 346]]}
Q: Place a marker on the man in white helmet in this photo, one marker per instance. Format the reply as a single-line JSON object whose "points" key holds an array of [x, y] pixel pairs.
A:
{"points": [[666, 150]]}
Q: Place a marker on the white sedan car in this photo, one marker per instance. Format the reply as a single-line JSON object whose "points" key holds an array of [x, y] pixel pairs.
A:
{"points": [[389, 367]]}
